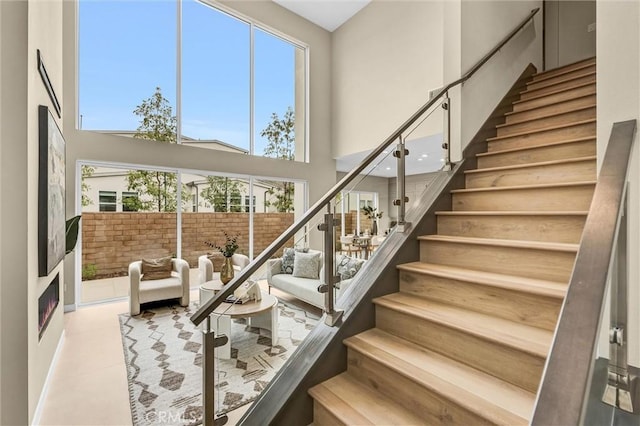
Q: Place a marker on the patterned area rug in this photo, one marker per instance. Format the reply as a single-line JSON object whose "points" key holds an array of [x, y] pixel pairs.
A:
{"points": [[163, 354]]}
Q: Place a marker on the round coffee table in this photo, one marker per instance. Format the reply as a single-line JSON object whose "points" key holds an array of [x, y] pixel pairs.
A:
{"points": [[209, 289], [262, 314]]}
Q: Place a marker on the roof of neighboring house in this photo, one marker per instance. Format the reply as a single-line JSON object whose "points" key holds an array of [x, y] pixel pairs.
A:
{"points": [[185, 140]]}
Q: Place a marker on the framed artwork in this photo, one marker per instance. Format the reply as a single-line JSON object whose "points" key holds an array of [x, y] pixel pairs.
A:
{"points": [[51, 193]]}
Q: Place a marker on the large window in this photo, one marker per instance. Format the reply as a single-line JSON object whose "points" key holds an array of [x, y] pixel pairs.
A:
{"points": [[242, 87], [126, 50]]}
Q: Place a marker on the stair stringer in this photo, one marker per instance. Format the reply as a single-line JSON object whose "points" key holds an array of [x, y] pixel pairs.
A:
{"points": [[323, 354]]}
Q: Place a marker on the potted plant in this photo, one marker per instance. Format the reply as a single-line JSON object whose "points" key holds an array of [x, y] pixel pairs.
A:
{"points": [[227, 250], [372, 213]]}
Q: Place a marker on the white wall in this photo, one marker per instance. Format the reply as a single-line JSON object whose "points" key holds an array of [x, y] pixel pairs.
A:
{"points": [[385, 61], [25, 27], [45, 33], [483, 25], [618, 98], [14, 281], [320, 172], [567, 38]]}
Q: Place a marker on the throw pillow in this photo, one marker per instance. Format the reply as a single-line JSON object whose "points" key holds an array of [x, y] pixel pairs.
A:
{"points": [[217, 259], [306, 265], [348, 267], [156, 269], [288, 256]]}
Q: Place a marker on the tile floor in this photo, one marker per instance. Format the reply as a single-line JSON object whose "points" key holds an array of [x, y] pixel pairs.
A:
{"points": [[88, 385]]}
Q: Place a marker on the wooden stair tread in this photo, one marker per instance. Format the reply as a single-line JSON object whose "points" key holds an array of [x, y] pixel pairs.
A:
{"points": [[542, 129], [545, 106], [584, 73], [555, 92], [524, 338], [509, 213], [478, 392], [510, 188], [529, 90], [542, 145], [528, 165], [355, 403], [495, 242], [541, 117], [568, 68], [537, 287]]}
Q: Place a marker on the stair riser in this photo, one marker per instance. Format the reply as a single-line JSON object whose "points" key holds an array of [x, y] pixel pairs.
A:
{"points": [[524, 262], [576, 131], [426, 403], [323, 417], [553, 173], [555, 120], [566, 69], [539, 154], [528, 309], [535, 84], [516, 367], [558, 108], [531, 93], [572, 198], [557, 97], [556, 229]]}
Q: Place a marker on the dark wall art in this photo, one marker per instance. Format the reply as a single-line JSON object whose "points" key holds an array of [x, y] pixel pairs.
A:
{"points": [[51, 193]]}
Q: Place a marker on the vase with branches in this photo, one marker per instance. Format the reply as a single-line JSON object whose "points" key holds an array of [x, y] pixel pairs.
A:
{"points": [[228, 249], [373, 214]]}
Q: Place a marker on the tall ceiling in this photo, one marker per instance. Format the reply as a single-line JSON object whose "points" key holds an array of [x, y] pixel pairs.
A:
{"points": [[329, 14]]}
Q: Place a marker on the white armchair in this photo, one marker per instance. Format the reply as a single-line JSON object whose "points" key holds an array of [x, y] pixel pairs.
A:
{"points": [[175, 287], [205, 267]]}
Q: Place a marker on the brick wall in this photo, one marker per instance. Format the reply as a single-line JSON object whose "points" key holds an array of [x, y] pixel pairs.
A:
{"points": [[111, 241]]}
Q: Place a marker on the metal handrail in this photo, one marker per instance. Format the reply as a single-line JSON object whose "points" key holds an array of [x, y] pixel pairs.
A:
{"points": [[205, 310], [571, 357]]}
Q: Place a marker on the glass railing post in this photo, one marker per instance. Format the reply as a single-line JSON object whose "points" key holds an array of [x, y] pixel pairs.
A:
{"points": [[328, 288], [446, 137], [209, 343], [618, 391], [400, 153]]}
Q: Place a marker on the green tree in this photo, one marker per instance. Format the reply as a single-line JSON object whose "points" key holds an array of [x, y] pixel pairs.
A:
{"points": [[280, 134], [157, 190], [223, 194], [85, 173]]}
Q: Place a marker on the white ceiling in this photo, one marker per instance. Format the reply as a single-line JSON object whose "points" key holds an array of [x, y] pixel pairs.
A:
{"points": [[329, 14]]}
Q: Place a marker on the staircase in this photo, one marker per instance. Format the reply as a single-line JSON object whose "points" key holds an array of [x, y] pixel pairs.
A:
{"points": [[465, 339]]}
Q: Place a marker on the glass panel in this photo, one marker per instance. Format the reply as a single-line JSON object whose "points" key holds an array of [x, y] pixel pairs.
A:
{"points": [[140, 223], [214, 211], [215, 79], [127, 49], [279, 78]]}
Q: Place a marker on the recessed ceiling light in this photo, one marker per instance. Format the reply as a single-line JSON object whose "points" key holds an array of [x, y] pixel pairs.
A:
{"points": [[425, 155], [442, 160], [385, 152], [388, 168], [419, 159]]}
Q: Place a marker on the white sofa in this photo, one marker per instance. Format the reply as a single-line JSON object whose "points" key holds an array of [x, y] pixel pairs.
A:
{"points": [[305, 289], [176, 287], [205, 267]]}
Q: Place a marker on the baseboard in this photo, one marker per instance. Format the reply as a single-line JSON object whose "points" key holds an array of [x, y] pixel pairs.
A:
{"points": [[70, 308], [45, 387]]}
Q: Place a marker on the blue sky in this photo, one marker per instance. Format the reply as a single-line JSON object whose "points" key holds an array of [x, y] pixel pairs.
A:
{"points": [[128, 48]]}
